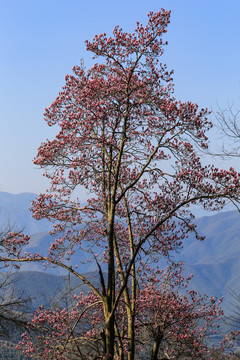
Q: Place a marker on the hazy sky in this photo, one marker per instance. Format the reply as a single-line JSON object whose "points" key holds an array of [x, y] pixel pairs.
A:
{"points": [[41, 40]]}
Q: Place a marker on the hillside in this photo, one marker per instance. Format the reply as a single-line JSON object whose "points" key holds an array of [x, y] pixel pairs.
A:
{"points": [[214, 261], [46, 289]]}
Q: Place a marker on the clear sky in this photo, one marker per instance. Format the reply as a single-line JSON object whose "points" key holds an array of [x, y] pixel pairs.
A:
{"points": [[41, 40]]}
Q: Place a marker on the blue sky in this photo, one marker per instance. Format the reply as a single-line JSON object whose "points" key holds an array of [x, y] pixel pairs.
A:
{"points": [[40, 41]]}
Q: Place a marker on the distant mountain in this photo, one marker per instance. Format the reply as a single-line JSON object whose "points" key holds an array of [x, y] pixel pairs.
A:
{"points": [[222, 232], [47, 289], [214, 261], [218, 280], [14, 210]]}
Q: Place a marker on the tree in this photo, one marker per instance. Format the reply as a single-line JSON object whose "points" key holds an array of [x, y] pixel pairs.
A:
{"points": [[13, 304], [170, 322], [228, 123], [126, 141], [232, 339]]}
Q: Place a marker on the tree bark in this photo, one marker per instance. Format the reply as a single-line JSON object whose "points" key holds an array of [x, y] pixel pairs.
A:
{"points": [[156, 346]]}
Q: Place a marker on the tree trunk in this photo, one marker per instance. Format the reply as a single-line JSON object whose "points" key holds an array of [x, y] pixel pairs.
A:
{"points": [[110, 335], [131, 337], [156, 346], [110, 314]]}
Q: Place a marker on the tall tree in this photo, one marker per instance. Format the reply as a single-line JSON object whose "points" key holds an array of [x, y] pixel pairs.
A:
{"points": [[134, 149]]}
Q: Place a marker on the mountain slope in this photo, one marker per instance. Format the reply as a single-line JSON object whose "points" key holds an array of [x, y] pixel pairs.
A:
{"points": [[214, 261], [222, 232]]}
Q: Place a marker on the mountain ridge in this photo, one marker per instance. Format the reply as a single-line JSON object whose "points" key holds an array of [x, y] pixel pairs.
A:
{"points": [[214, 261]]}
